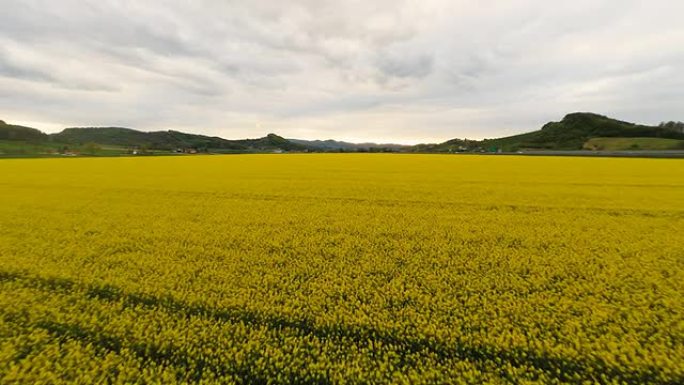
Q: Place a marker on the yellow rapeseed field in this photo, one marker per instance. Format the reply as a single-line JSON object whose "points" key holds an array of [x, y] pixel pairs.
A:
{"points": [[342, 269]]}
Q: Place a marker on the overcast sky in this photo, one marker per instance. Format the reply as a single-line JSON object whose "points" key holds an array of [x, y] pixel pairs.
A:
{"points": [[389, 71]]}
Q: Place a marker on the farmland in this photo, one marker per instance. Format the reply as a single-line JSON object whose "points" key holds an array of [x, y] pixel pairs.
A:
{"points": [[621, 144], [342, 268]]}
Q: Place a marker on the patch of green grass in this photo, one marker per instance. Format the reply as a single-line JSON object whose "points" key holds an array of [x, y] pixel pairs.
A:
{"points": [[17, 148], [618, 144], [14, 147]]}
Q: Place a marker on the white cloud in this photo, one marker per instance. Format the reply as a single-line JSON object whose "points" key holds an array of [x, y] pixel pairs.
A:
{"points": [[402, 71]]}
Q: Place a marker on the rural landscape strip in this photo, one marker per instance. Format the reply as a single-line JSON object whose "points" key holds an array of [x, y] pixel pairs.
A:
{"points": [[577, 134]]}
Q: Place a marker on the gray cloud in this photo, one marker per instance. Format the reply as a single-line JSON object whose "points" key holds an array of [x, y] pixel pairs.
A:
{"points": [[356, 70], [12, 70]]}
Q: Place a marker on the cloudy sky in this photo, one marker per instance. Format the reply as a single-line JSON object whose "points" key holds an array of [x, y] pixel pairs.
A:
{"points": [[389, 71]]}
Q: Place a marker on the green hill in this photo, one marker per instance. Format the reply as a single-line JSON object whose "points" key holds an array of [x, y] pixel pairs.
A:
{"points": [[337, 145], [274, 142], [575, 129], [571, 133], [13, 132], [127, 137], [19, 140], [169, 140]]}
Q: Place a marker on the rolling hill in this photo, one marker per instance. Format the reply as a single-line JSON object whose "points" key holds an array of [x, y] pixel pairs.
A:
{"points": [[576, 129], [14, 132], [169, 140], [571, 133], [24, 141], [336, 145]]}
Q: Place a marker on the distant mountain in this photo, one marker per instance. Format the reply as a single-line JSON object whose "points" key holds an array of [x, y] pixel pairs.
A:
{"points": [[168, 140], [334, 145], [80, 138], [571, 133], [453, 145], [273, 141]]}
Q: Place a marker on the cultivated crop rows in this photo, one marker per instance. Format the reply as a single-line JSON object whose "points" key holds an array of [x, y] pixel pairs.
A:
{"points": [[343, 269]]}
